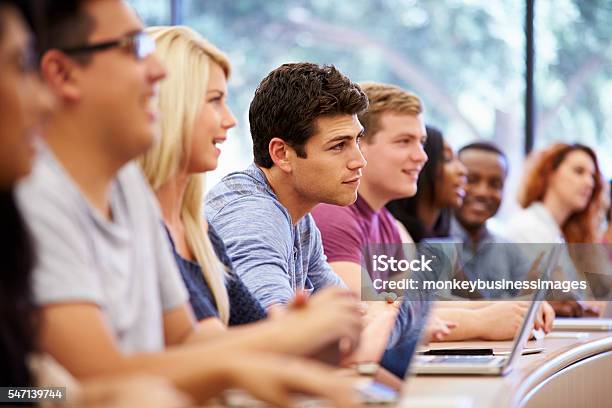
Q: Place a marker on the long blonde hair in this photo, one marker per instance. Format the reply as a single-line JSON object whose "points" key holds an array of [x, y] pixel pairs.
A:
{"points": [[188, 57]]}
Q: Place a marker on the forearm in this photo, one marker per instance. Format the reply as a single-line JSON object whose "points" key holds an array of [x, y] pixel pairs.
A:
{"points": [[271, 335], [464, 304], [374, 336], [469, 325], [199, 371], [72, 331]]}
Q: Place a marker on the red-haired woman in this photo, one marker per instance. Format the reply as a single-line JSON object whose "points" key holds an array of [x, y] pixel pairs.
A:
{"points": [[561, 195], [561, 198]]}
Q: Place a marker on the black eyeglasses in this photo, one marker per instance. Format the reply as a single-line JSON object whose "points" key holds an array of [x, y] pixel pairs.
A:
{"points": [[140, 44]]}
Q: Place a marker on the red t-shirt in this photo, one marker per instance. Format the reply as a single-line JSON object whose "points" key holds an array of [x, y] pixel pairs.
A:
{"points": [[347, 231]]}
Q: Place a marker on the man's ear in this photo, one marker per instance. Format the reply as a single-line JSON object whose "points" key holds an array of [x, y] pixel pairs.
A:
{"points": [[280, 153], [58, 71]]}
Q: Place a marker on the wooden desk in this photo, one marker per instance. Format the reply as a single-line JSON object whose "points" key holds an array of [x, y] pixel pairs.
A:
{"points": [[570, 373]]}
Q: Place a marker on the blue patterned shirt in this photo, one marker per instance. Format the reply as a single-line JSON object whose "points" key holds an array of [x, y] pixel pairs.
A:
{"points": [[272, 256]]}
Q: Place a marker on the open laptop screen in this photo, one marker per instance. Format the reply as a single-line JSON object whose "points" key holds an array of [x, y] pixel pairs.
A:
{"points": [[413, 315]]}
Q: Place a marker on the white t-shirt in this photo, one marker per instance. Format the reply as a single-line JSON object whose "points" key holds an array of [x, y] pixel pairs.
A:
{"points": [[124, 266], [534, 224]]}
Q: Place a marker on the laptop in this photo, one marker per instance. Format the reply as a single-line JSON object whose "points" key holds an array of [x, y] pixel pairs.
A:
{"points": [[414, 313], [582, 324], [487, 364], [603, 323], [607, 312]]}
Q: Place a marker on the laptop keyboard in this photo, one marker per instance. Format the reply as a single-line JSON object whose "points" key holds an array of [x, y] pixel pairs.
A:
{"points": [[463, 359]]}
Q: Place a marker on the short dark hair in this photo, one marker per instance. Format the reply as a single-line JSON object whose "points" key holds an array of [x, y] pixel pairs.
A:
{"points": [[288, 101], [486, 146], [62, 24]]}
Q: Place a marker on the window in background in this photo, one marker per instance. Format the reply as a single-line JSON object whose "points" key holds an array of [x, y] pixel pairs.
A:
{"points": [[574, 75], [156, 12], [465, 59]]}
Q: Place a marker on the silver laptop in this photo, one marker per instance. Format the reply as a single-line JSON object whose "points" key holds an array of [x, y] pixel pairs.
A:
{"points": [[582, 324], [490, 365], [607, 313], [603, 323]]}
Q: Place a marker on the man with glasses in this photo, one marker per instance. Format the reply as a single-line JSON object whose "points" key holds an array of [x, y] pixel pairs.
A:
{"points": [[138, 43], [110, 295]]}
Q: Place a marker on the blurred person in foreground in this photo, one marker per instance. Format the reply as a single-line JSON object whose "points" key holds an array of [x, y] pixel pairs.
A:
{"points": [[105, 283], [25, 103]]}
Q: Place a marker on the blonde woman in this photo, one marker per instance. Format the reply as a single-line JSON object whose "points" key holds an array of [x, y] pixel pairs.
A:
{"points": [[194, 119]]}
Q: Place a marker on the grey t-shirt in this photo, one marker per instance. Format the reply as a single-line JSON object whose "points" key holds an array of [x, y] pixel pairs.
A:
{"points": [[124, 266], [272, 256]]}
